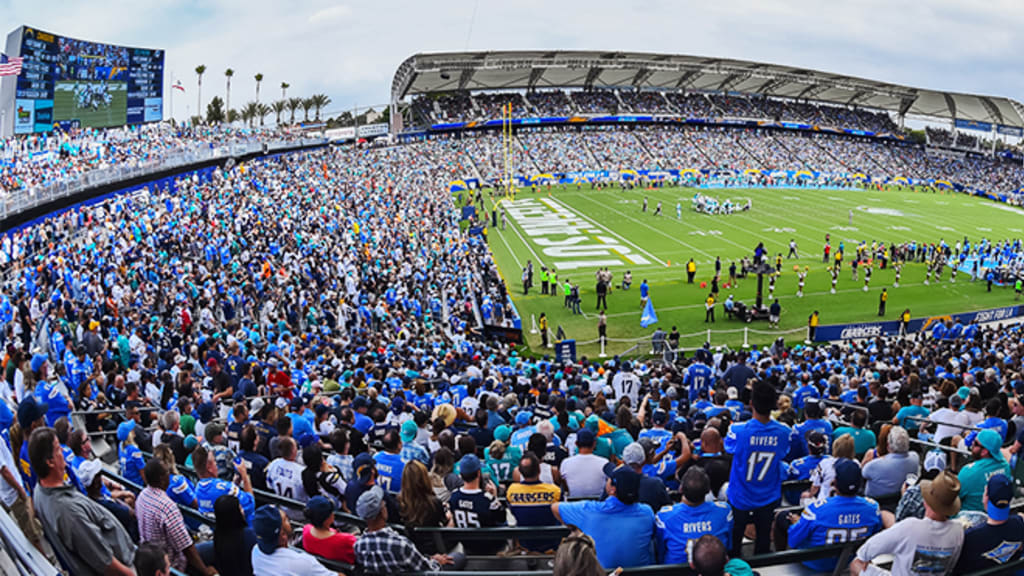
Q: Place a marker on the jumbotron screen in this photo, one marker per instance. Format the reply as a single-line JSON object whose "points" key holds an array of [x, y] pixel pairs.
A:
{"points": [[66, 82]]}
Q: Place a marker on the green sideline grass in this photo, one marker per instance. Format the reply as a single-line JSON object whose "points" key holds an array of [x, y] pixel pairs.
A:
{"points": [[777, 216]]}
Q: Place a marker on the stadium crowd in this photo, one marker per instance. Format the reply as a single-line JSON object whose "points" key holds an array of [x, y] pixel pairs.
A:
{"points": [[309, 326], [44, 159]]}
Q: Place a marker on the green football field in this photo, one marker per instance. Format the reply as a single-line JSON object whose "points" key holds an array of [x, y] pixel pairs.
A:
{"points": [[578, 231], [65, 105]]}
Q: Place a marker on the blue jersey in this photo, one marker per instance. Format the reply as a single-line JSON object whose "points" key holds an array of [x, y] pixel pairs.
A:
{"points": [[659, 435], [801, 395], [666, 470], [678, 527], [132, 463], [755, 478], [389, 471], [521, 437], [300, 425], [800, 469], [181, 491], [57, 404], [837, 519], [209, 489], [798, 441], [698, 377]]}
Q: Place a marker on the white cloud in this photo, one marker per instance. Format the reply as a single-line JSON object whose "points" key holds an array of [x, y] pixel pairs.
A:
{"points": [[350, 51]]}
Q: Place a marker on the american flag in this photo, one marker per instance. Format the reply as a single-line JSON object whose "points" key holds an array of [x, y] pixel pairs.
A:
{"points": [[10, 66]]}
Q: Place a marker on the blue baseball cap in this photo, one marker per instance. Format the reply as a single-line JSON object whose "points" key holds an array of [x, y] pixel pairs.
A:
{"points": [[585, 438], [318, 510], [308, 439], [469, 464], [363, 465], [266, 523], [848, 477], [124, 429], [1000, 494], [990, 440], [523, 418], [30, 410]]}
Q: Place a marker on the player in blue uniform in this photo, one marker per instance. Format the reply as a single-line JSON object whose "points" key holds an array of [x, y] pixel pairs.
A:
{"points": [[844, 517], [389, 463], [758, 447], [677, 527]]}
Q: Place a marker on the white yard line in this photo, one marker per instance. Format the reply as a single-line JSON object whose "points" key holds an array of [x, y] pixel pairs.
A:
{"points": [[559, 206]]}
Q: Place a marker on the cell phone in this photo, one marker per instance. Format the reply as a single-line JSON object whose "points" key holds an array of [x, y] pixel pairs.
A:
{"points": [[238, 461]]}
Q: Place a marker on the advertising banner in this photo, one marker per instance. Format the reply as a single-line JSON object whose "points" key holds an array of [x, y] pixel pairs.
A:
{"points": [[892, 327]]}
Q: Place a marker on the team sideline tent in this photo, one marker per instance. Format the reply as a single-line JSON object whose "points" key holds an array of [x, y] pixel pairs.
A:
{"points": [[538, 70]]}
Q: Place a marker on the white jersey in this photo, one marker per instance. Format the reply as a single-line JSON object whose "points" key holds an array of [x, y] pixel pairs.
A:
{"points": [[627, 384], [285, 477]]}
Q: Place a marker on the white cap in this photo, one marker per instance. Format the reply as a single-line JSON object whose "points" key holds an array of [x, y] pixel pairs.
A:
{"points": [[88, 470], [256, 405], [935, 460]]}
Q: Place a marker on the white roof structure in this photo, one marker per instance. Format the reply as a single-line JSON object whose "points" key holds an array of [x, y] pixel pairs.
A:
{"points": [[538, 70]]}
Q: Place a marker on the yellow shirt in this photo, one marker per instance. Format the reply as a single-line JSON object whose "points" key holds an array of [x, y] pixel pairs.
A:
{"points": [[814, 320]]}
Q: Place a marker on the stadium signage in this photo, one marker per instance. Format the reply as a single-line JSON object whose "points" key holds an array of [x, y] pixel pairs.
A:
{"points": [[570, 240], [834, 332]]}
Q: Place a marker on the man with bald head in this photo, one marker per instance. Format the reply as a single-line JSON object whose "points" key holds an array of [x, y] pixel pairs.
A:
{"points": [[711, 458]]}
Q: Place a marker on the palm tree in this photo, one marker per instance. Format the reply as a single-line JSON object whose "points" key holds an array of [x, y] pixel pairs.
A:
{"points": [[227, 99], [246, 115], [307, 105], [320, 101], [284, 88], [294, 104], [233, 115], [199, 93], [259, 79], [250, 112], [279, 107], [263, 111]]}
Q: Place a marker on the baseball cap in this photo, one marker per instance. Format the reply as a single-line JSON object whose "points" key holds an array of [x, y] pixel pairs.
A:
{"points": [[502, 433], [847, 477], [659, 417], [1000, 493], [31, 410], [296, 403], [211, 362], [205, 411], [585, 438], [523, 418], [359, 402], [266, 523], [990, 440], [88, 471], [363, 466], [256, 405], [409, 430], [305, 441], [37, 361], [626, 482], [633, 454], [370, 503], [955, 401], [935, 460], [281, 402], [124, 429], [469, 464], [649, 446], [213, 429], [318, 509]]}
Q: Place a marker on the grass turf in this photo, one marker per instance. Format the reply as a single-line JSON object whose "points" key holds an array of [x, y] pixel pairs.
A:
{"points": [[65, 105], [777, 215]]}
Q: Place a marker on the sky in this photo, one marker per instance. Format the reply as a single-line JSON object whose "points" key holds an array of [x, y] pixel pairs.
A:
{"points": [[350, 50]]}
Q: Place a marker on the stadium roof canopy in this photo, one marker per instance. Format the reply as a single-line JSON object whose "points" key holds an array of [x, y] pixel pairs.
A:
{"points": [[537, 70]]}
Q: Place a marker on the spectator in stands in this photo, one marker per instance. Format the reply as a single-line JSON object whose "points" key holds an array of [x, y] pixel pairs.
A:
{"points": [[1001, 538], [863, 439], [31, 414], [129, 454], [254, 462], [629, 544], [582, 474], [217, 444], [14, 499], [172, 436], [813, 412], [411, 449], [914, 410], [320, 538], [530, 502], [233, 539], [884, 476], [179, 488], [381, 550], [389, 462], [92, 481], [802, 468], [708, 556], [151, 560], [340, 458], [822, 478], [161, 523], [320, 478], [284, 474], [844, 517], [576, 557], [209, 487], [694, 517], [476, 504], [652, 489], [364, 478], [85, 536], [911, 504], [442, 475], [988, 461], [758, 447], [272, 556], [929, 545], [712, 458], [420, 507]]}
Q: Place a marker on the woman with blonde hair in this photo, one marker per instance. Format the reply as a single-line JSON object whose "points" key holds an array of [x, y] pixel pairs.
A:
{"points": [[421, 507], [576, 556], [179, 489]]}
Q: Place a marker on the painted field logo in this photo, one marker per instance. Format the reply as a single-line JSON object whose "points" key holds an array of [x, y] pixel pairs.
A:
{"points": [[862, 331], [880, 211], [572, 240]]}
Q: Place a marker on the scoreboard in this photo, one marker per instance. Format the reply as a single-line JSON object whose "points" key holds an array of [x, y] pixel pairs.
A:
{"points": [[68, 82]]}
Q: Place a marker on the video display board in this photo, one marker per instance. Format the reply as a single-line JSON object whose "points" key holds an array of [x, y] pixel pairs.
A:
{"points": [[67, 82]]}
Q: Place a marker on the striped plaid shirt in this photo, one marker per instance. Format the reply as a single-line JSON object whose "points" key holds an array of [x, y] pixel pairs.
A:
{"points": [[385, 551], [160, 522]]}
